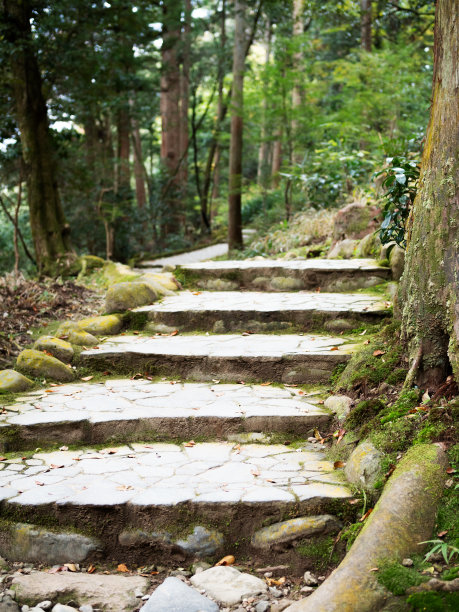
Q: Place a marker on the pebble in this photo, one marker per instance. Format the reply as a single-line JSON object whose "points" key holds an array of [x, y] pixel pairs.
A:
{"points": [[63, 608], [309, 579], [275, 592], [307, 589], [262, 606], [86, 608], [45, 605], [137, 593], [408, 562]]}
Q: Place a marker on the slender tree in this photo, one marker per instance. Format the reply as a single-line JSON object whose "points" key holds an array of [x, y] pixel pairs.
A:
{"points": [[49, 230], [430, 283], [365, 24]]}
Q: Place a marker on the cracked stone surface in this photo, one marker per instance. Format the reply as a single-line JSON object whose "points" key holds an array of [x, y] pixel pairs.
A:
{"points": [[299, 264], [259, 301], [164, 406], [184, 258], [161, 474]]}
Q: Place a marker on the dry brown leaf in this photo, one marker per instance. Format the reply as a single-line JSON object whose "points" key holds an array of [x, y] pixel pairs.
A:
{"points": [[72, 567], [266, 384], [374, 569], [197, 292], [227, 560], [367, 342], [276, 582], [366, 515], [56, 467], [3, 458], [174, 333], [450, 470], [86, 378], [442, 533], [190, 443], [255, 472], [378, 353], [39, 483], [122, 568], [91, 569], [334, 348], [338, 464]]}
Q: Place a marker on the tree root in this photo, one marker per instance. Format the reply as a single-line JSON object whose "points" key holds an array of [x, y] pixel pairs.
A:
{"points": [[414, 369]]}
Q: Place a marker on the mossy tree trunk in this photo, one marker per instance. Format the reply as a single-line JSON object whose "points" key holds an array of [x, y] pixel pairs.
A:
{"points": [[429, 286], [49, 230]]}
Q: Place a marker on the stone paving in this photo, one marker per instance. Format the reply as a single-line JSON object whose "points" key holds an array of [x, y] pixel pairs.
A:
{"points": [[216, 250], [168, 474], [126, 407], [342, 265]]}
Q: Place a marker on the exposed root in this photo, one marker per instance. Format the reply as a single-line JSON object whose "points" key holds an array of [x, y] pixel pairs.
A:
{"points": [[414, 369]]}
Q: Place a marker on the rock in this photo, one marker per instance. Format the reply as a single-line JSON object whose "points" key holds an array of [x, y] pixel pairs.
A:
{"points": [[355, 221], [40, 365], [280, 606], [166, 280], [123, 296], [45, 605], [7, 604], [218, 284], [363, 467], [90, 262], [287, 531], [62, 608], [158, 287], [158, 328], [338, 325], [340, 405], [109, 593], [307, 589], [106, 325], [60, 349], [86, 608], [285, 283], [404, 515], [275, 592], [199, 566], [202, 542], [309, 579], [344, 249], [348, 284], [13, 382], [219, 327], [227, 585], [397, 262], [173, 595], [263, 606], [33, 543], [408, 562], [115, 272], [369, 246], [81, 338]]}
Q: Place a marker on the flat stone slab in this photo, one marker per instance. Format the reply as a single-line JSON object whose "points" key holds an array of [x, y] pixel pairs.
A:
{"points": [[235, 310], [129, 410], [215, 250], [158, 486], [281, 275], [288, 358], [174, 595]]}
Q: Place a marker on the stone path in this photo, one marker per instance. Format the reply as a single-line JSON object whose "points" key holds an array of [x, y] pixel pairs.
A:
{"points": [[280, 275], [128, 410], [216, 250], [164, 470], [287, 358]]}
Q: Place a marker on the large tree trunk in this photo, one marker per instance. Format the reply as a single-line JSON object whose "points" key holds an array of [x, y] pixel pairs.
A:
{"points": [[235, 161], [49, 230], [184, 99], [170, 113], [430, 283], [365, 24], [298, 92]]}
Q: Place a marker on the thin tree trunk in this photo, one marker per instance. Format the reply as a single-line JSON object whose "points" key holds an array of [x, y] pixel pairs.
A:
{"points": [[235, 155], [277, 159], [123, 169], [298, 92], [184, 98], [50, 232], [430, 283], [139, 167], [263, 151], [365, 24]]}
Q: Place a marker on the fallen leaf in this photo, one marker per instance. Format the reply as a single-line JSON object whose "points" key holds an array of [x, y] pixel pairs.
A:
{"points": [[174, 333], [71, 566], [39, 483], [215, 380], [197, 292], [390, 470], [255, 472], [266, 384], [125, 488], [352, 502], [91, 569], [3, 458], [276, 582], [228, 560], [86, 378], [378, 352], [190, 443], [367, 342], [366, 515], [49, 390], [338, 464], [63, 448], [122, 568], [374, 569], [363, 333], [442, 533], [334, 348], [56, 467], [450, 470]]}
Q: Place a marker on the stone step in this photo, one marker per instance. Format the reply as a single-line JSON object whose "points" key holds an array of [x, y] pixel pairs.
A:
{"points": [[220, 311], [129, 410], [287, 359], [280, 275], [142, 503]]}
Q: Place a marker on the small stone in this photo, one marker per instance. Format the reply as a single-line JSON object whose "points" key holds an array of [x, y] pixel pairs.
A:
{"points": [[408, 562], [309, 579], [279, 606], [181, 572], [200, 566], [63, 608], [339, 405], [86, 608], [45, 605], [123, 296], [307, 589], [60, 349], [40, 365], [7, 604], [343, 249], [275, 592], [397, 262], [25, 608], [227, 585], [363, 467], [175, 596], [202, 542], [287, 531], [79, 337], [262, 606], [13, 382], [106, 325]]}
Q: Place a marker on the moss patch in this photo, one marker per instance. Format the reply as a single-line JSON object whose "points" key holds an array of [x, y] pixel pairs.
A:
{"points": [[320, 552], [397, 579], [434, 602]]}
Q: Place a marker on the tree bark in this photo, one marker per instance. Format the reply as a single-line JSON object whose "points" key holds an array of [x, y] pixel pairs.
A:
{"points": [[263, 150], [298, 92], [123, 169], [235, 155], [277, 159], [430, 283], [170, 113], [184, 98], [50, 232], [365, 24]]}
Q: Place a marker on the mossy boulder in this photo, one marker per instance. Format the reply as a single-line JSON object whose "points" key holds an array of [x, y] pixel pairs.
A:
{"points": [[285, 283], [152, 281], [58, 348], [369, 246], [114, 272], [70, 331], [40, 365], [339, 405], [363, 467], [123, 296], [397, 262], [107, 325], [165, 279], [355, 221], [343, 249], [12, 382]]}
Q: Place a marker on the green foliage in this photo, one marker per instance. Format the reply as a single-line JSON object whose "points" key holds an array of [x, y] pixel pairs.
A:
{"points": [[440, 546], [400, 183], [319, 551], [351, 532], [397, 579], [430, 601]]}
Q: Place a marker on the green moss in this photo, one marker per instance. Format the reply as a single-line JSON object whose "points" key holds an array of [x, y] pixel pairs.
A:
{"points": [[431, 601], [364, 412], [349, 534], [319, 551], [397, 579]]}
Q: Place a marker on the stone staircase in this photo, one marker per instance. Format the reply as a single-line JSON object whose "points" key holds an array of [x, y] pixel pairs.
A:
{"points": [[205, 445]]}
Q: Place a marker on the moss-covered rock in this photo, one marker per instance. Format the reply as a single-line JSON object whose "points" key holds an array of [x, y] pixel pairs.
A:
{"points": [[58, 348], [339, 405], [355, 221], [343, 249], [166, 280], [107, 325], [40, 365], [285, 283], [70, 331], [123, 296], [397, 262], [114, 272], [369, 246], [363, 467], [12, 382], [158, 288], [294, 529]]}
